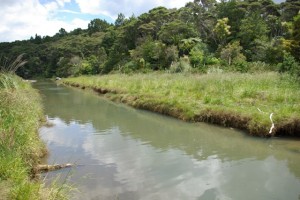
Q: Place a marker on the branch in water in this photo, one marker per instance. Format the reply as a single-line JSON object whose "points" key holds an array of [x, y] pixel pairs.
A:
{"points": [[46, 168]]}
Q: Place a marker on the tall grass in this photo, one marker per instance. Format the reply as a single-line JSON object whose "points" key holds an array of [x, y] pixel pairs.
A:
{"points": [[7, 66], [21, 149], [231, 99]]}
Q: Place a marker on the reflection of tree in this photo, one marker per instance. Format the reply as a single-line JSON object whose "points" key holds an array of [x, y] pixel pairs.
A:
{"points": [[198, 141]]}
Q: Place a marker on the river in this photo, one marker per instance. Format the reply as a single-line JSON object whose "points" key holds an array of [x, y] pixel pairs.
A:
{"points": [[124, 153]]}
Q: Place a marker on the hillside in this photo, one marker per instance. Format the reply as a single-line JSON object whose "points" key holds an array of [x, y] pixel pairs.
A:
{"points": [[243, 36]]}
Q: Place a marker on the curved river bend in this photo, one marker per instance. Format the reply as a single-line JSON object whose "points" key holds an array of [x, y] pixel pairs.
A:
{"points": [[123, 153]]}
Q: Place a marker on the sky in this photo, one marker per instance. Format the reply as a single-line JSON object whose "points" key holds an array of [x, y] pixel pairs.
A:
{"points": [[21, 19]]}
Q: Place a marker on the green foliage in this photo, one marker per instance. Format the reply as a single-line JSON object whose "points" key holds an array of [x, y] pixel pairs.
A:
{"points": [[20, 146], [97, 25], [290, 9], [183, 65], [222, 30], [186, 45], [157, 54], [231, 53], [289, 65], [120, 20], [296, 37], [234, 12], [196, 57], [264, 29], [252, 27], [174, 32]]}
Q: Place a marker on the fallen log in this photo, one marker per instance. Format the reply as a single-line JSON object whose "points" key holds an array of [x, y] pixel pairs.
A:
{"points": [[46, 168]]}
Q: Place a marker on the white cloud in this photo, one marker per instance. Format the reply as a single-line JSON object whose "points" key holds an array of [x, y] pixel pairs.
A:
{"points": [[127, 7], [22, 19]]}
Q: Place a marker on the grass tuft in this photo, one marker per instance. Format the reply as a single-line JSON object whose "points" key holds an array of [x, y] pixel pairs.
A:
{"points": [[21, 115]]}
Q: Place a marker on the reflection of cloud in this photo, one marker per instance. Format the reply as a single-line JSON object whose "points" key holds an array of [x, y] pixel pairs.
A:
{"points": [[153, 174], [173, 175], [136, 155], [124, 166], [65, 135]]}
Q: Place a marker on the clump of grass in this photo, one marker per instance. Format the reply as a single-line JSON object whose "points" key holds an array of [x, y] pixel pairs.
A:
{"points": [[21, 149], [243, 101]]}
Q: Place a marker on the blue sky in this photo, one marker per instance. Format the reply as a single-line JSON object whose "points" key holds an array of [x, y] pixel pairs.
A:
{"points": [[71, 10], [21, 19]]}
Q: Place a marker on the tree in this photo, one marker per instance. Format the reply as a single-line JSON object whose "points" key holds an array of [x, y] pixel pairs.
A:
{"points": [[62, 32], [296, 37], [232, 53], [234, 12], [76, 31], [174, 32], [204, 15], [253, 27], [186, 45], [148, 29], [155, 53], [97, 25], [290, 8], [222, 30], [120, 20]]}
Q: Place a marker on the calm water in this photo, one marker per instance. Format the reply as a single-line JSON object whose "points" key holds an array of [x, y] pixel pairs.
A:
{"points": [[123, 153]]}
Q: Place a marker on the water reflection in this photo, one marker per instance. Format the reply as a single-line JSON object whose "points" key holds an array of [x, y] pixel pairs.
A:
{"points": [[129, 154]]}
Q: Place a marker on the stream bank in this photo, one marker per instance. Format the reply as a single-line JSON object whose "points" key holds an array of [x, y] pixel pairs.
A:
{"points": [[264, 105]]}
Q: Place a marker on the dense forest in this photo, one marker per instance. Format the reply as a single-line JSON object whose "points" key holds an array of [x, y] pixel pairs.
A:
{"points": [[205, 35]]}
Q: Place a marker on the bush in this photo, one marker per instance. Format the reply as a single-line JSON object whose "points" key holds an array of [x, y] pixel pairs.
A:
{"points": [[196, 57], [289, 65], [183, 65]]}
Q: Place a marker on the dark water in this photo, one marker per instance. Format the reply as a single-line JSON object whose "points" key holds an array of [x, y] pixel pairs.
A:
{"points": [[123, 153]]}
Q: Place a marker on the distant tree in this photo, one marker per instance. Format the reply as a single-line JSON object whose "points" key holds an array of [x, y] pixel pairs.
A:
{"points": [[232, 53], [62, 32], [120, 20], [186, 45], [155, 54], [76, 31], [97, 25], [222, 30], [253, 27], [289, 9], [234, 12], [296, 37], [37, 39], [174, 32], [147, 29], [203, 12]]}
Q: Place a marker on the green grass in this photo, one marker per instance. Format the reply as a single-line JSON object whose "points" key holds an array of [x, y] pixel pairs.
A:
{"points": [[20, 146], [237, 100]]}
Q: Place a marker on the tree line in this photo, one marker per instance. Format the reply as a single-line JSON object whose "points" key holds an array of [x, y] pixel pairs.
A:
{"points": [[235, 35]]}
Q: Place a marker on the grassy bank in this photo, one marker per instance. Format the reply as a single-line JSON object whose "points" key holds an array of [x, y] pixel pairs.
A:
{"points": [[243, 101], [20, 145]]}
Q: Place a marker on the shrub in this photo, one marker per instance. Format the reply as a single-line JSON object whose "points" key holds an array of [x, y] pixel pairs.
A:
{"points": [[183, 65], [289, 65]]}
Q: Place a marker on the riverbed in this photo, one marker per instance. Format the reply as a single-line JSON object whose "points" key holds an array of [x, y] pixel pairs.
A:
{"points": [[124, 153]]}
